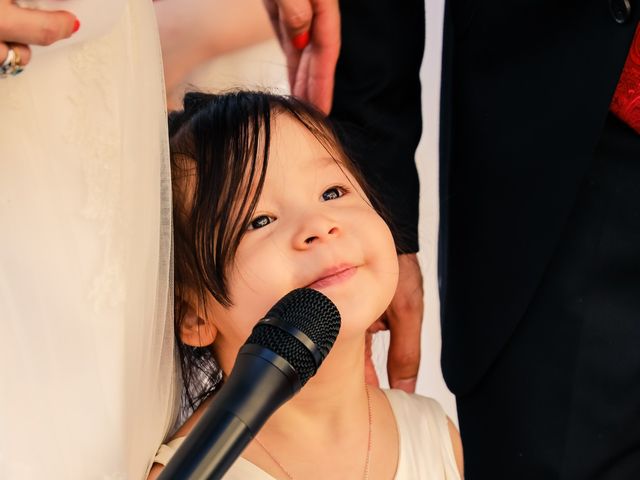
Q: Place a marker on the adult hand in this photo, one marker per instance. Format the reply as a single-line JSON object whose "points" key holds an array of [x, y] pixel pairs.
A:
{"points": [[403, 319], [21, 27], [309, 33]]}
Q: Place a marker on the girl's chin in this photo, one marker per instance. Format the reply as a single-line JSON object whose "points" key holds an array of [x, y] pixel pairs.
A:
{"points": [[357, 313]]}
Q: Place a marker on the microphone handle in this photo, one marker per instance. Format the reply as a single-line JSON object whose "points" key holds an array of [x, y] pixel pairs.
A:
{"points": [[259, 383], [209, 456]]}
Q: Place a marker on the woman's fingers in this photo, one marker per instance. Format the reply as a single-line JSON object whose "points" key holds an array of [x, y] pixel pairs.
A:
{"points": [[309, 33], [296, 15], [23, 52], [35, 27], [21, 27]]}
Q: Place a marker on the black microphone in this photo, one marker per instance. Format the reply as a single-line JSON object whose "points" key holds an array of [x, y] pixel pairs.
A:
{"points": [[282, 353]]}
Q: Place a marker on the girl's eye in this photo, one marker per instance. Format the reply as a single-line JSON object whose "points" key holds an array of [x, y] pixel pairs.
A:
{"points": [[333, 193], [260, 221]]}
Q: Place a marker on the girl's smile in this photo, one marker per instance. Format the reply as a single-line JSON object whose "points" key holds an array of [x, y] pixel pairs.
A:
{"points": [[333, 276]]}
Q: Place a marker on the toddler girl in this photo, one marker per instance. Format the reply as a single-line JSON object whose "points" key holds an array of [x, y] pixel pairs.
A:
{"points": [[266, 201]]}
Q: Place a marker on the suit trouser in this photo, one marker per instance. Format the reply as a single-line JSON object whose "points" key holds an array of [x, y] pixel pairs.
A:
{"points": [[562, 401]]}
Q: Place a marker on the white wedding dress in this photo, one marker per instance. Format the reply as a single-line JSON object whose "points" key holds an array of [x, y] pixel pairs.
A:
{"points": [[86, 334]]}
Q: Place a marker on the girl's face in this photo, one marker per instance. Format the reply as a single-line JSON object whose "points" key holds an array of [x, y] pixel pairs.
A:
{"points": [[313, 227]]}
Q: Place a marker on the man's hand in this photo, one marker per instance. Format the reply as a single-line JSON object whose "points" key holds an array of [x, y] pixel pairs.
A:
{"points": [[309, 33], [403, 319]]}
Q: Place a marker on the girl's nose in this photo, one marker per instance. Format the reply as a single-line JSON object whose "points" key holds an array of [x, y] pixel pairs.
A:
{"points": [[314, 230]]}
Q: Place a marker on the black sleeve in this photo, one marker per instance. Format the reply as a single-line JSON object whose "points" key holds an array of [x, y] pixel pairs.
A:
{"points": [[377, 104]]}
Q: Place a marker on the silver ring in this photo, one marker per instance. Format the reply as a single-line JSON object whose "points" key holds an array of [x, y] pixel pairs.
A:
{"points": [[11, 64]]}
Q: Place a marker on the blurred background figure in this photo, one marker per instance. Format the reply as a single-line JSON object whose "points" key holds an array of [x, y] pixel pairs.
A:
{"points": [[217, 44]]}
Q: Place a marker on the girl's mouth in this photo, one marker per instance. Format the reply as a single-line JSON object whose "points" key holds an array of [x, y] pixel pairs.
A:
{"points": [[334, 276]]}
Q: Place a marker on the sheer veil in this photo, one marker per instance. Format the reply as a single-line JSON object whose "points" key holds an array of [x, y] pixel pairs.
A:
{"points": [[86, 339]]}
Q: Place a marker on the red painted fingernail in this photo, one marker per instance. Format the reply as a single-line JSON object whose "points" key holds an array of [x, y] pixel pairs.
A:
{"points": [[76, 25], [301, 40]]}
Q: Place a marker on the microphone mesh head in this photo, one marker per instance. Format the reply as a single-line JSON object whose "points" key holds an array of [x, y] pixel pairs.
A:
{"points": [[310, 312]]}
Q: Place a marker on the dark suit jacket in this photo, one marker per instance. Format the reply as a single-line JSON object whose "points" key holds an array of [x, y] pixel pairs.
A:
{"points": [[526, 89], [377, 103]]}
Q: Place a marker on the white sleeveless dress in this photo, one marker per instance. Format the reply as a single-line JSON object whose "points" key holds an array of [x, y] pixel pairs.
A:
{"points": [[425, 444], [86, 334]]}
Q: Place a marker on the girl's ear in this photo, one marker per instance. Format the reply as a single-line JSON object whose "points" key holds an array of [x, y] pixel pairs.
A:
{"points": [[196, 331]]}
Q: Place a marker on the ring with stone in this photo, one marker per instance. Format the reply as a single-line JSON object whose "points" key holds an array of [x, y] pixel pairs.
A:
{"points": [[11, 64]]}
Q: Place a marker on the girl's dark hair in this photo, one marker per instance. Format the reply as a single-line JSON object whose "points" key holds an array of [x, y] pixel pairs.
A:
{"points": [[219, 156]]}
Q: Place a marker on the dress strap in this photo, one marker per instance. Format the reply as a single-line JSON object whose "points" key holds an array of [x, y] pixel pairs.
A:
{"points": [[167, 450]]}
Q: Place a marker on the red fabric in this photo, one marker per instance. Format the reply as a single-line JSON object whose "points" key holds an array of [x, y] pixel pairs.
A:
{"points": [[626, 100]]}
